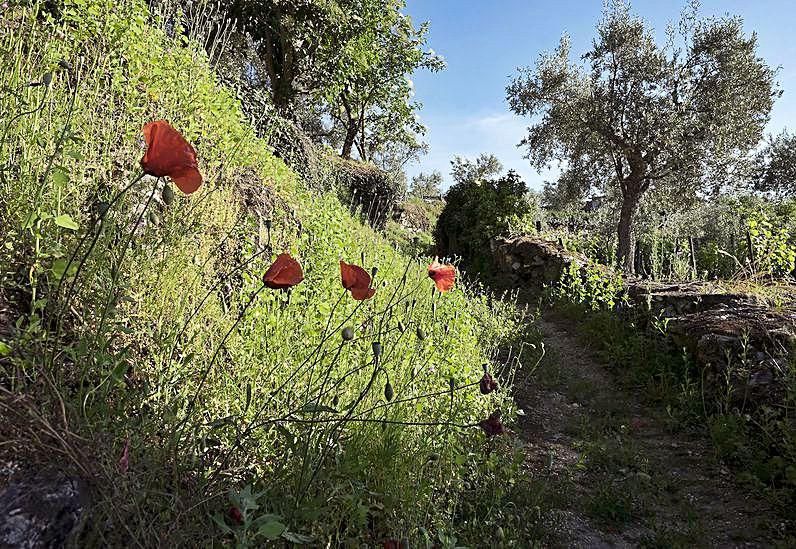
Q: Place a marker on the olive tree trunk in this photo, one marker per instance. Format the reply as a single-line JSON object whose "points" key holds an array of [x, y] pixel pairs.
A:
{"points": [[627, 241]]}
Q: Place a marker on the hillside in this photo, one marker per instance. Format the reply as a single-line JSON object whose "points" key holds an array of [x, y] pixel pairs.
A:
{"points": [[144, 359]]}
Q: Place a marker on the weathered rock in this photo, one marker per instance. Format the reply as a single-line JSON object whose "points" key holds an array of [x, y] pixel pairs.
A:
{"points": [[40, 511]]}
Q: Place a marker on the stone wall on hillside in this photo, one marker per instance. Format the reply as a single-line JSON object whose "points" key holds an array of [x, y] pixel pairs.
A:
{"points": [[733, 337]]}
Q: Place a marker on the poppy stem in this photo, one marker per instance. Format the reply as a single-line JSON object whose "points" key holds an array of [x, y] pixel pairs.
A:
{"points": [[207, 370], [125, 247], [98, 223]]}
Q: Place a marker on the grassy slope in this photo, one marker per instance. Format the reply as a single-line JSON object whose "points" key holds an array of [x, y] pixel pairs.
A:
{"points": [[115, 365]]}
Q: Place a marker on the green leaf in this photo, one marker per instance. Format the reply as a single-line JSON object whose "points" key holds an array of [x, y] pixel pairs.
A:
{"points": [[312, 408], [59, 268], [5, 350], [30, 220], [272, 529], [66, 221], [60, 178]]}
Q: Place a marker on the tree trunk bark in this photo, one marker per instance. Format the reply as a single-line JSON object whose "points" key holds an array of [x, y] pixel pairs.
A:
{"points": [[350, 138], [627, 242]]}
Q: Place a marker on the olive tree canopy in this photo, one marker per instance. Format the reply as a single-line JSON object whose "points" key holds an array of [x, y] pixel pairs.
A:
{"points": [[682, 115]]}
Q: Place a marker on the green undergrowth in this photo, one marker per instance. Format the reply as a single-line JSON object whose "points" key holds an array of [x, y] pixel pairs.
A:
{"points": [[142, 320], [759, 444]]}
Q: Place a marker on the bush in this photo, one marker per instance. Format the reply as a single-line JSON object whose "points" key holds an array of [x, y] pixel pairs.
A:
{"points": [[475, 212]]}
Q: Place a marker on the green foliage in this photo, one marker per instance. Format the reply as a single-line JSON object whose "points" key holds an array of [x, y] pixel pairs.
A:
{"points": [[143, 321], [591, 285], [773, 247], [478, 209]]}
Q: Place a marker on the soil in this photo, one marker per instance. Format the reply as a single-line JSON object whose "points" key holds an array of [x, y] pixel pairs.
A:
{"points": [[624, 476]]}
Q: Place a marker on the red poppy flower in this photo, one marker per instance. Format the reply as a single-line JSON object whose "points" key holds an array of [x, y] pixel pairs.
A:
{"points": [[235, 515], [443, 276], [492, 425], [284, 273], [487, 384], [168, 154], [356, 280]]}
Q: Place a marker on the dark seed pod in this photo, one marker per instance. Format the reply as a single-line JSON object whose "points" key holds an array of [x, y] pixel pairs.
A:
{"points": [[414, 302], [388, 392], [66, 65], [485, 366], [433, 457], [348, 334], [268, 224], [452, 383], [401, 327], [376, 349], [421, 335], [47, 79], [167, 195], [374, 271], [362, 258], [335, 401], [447, 328], [153, 218]]}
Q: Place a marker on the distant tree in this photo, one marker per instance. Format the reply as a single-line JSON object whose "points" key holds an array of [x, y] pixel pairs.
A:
{"points": [[464, 170], [426, 184], [776, 171], [679, 115], [300, 43], [371, 102], [477, 208]]}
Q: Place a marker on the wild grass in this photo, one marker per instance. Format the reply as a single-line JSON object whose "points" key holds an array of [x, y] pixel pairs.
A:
{"points": [[143, 323]]}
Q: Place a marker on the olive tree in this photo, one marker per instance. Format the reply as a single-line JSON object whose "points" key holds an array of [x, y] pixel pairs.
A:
{"points": [[776, 171], [684, 114]]}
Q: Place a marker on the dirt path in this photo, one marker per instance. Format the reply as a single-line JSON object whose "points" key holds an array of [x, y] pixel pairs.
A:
{"points": [[616, 476]]}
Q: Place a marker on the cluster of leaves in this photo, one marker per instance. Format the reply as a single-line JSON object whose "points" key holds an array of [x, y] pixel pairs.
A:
{"points": [[162, 351], [345, 66], [591, 285]]}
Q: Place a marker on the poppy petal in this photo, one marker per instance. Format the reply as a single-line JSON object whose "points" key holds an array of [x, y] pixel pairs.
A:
{"points": [[356, 280], [285, 272], [188, 180], [168, 154], [444, 276]]}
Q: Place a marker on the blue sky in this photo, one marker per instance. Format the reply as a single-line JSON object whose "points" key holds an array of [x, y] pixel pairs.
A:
{"points": [[484, 41]]}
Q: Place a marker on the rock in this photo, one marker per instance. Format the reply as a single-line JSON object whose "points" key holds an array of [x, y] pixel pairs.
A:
{"points": [[40, 511]]}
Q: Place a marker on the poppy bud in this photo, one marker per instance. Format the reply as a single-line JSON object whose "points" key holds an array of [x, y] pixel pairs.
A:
{"points": [[268, 224], [335, 401], [348, 334], [433, 456], [414, 302], [485, 366], [235, 515], [47, 78], [374, 271], [447, 328], [66, 65], [401, 327], [376, 349], [452, 383], [487, 384], [421, 335], [388, 392], [153, 218], [167, 195], [362, 257]]}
